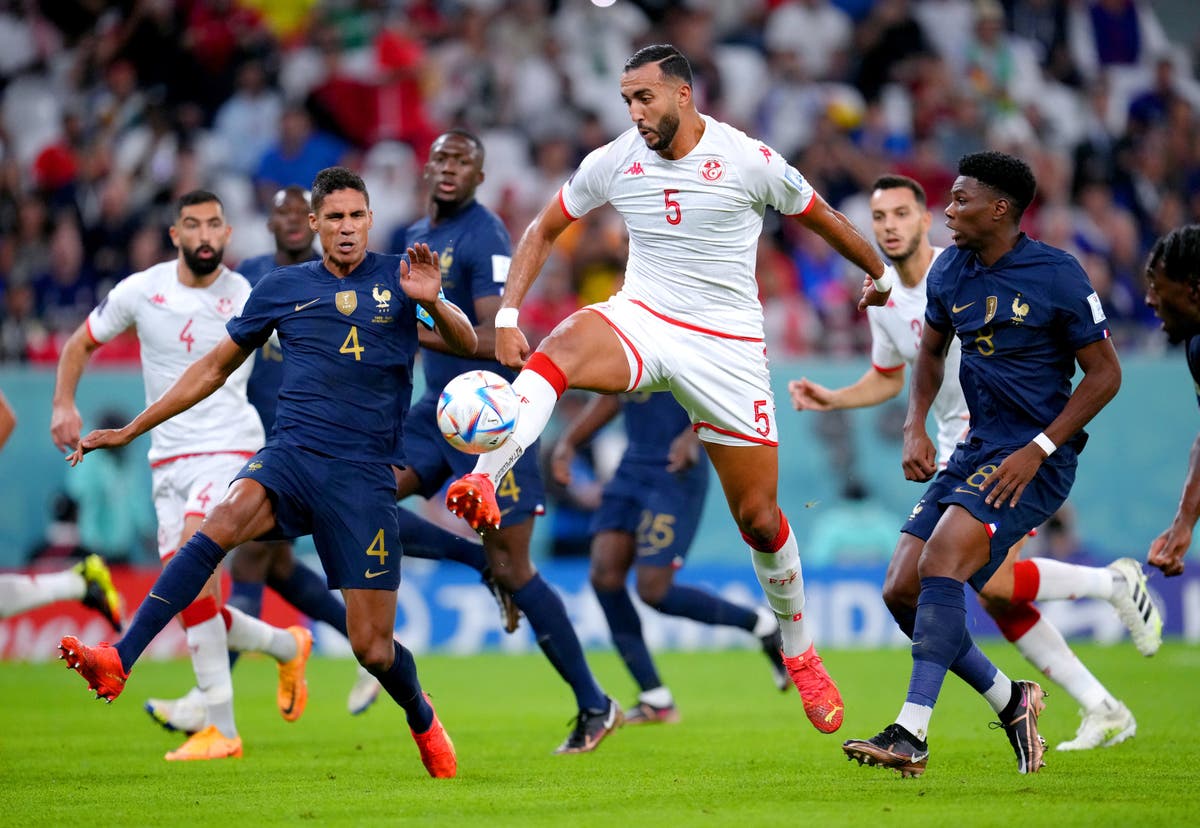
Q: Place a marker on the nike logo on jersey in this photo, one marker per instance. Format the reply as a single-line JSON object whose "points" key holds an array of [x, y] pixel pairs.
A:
{"points": [[961, 308], [300, 307], [369, 574]]}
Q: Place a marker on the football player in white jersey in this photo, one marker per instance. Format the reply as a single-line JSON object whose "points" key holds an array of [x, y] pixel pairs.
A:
{"points": [[900, 218], [179, 309], [692, 191]]}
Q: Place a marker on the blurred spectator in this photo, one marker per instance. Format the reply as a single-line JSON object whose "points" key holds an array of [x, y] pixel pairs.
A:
{"points": [[296, 158], [855, 531], [247, 124], [1114, 34], [816, 32]]}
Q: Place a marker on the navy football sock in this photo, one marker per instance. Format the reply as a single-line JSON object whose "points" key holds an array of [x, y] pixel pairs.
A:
{"points": [[422, 539], [309, 592], [626, 630], [401, 683], [938, 637], [555, 635], [180, 582], [971, 665], [705, 607], [246, 596]]}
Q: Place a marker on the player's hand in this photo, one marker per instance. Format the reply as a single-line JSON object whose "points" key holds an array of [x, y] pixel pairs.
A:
{"points": [[919, 458], [421, 274], [810, 396], [512, 348], [100, 439], [65, 427], [1008, 481], [684, 451], [560, 462], [1168, 549], [870, 296]]}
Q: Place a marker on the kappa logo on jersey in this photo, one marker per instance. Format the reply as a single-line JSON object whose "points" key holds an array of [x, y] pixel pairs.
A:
{"points": [[225, 306], [635, 169], [346, 301], [766, 152], [382, 297], [712, 169], [158, 299]]}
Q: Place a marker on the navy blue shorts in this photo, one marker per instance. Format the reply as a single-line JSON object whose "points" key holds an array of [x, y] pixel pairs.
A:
{"points": [[959, 483], [349, 508], [660, 509], [519, 494]]}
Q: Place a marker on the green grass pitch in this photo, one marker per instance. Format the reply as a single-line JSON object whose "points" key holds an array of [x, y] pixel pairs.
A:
{"points": [[743, 755]]}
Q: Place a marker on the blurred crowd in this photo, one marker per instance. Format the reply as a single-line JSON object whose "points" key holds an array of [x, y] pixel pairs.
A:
{"points": [[110, 110]]}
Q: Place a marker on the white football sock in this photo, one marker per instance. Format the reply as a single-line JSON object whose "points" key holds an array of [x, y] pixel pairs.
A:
{"points": [[20, 593], [1000, 693], [1058, 580], [250, 635], [1045, 648], [658, 697], [210, 661], [781, 579], [915, 719], [538, 398]]}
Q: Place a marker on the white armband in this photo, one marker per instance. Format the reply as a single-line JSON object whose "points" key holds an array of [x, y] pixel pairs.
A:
{"points": [[506, 318], [884, 283], [1045, 443]]}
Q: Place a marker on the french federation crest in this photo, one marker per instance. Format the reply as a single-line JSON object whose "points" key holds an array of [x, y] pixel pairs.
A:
{"points": [[990, 308], [382, 297], [346, 301]]}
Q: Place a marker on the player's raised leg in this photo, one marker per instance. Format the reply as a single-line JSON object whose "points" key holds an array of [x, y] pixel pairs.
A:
{"points": [[88, 582]]}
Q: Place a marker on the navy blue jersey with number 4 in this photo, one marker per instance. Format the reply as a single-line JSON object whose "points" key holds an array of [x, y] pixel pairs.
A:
{"points": [[350, 345], [474, 252], [1020, 322]]}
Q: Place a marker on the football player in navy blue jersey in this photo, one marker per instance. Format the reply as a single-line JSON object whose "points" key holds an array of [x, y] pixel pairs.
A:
{"points": [[1025, 313], [473, 247], [1173, 292], [348, 325], [648, 517]]}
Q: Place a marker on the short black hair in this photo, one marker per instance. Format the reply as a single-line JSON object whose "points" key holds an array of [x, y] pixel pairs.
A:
{"points": [[470, 136], [670, 61], [897, 182], [1179, 254], [1006, 174], [282, 194], [332, 179], [196, 197]]}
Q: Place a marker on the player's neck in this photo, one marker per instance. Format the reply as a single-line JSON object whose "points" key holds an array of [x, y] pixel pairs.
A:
{"points": [[283, 258], [187, 278], [686, 139], [440, 211], [912, 270], [341, 269], [995, 248]]}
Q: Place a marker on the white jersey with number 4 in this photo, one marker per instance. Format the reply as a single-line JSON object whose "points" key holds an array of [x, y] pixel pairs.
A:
{"points": [[693, 223], [896, 330], [176, 325]]}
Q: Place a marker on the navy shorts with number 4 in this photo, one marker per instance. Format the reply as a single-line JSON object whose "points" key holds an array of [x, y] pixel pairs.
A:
{"points": [[960, 482], [519, 494], [660, 508], [349, 508]]}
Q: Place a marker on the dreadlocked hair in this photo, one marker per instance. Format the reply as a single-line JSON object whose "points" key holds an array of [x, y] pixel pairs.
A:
{"points": [[1179, 254]]}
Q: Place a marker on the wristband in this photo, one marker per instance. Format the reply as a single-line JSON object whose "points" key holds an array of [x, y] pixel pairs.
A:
{"points": [[506, 318], [1045, 443], [884, 283]]}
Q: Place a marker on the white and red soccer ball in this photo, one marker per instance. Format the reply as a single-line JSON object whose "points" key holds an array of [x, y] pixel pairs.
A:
{"points": [[477, 411]]}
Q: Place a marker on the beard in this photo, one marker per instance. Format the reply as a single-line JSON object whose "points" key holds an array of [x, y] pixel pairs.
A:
{"points": [[203, 267], [904, 255], [665, 132]]}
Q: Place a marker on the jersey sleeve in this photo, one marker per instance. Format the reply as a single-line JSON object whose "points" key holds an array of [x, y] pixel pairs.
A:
{"points": [[937, 315], [254, 325], [885, 357], [487, 260], [587, 188], [118, 310], [770, 179], [1078, 310]]}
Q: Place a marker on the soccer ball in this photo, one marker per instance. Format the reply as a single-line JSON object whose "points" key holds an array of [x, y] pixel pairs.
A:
{"points": [[477, 411]]}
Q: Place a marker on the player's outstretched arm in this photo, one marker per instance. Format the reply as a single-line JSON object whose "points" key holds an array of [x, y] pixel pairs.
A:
{"points": [[533, 248], [65, 422], [920, 456], [421, 279], [1168, 549], [872, 388], [599, 411], [202, 378], [844, 237]]}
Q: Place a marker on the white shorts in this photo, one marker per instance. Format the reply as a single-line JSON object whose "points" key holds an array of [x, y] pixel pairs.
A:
{"points": [[951, 432], [722, 381], [187, 487]]}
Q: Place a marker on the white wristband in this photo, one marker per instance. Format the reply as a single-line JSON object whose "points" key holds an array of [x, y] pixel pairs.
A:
{"points": [[1045, 443], [884, 283], [506, 318]]}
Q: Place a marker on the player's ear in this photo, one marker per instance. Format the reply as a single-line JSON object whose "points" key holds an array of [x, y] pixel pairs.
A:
{"points": [[173, 231]]}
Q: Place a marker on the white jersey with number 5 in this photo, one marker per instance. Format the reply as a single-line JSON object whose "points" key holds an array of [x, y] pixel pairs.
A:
{"points": [[176, 325], [693, 223], [896, 330]]}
